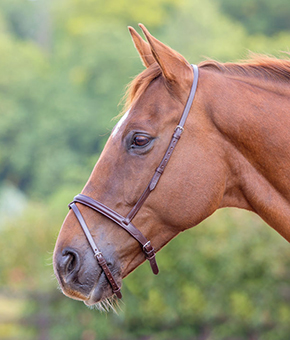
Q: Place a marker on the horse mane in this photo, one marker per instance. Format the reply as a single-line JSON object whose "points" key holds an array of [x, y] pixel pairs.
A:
{"points": [[140, 83], [258, 66]]}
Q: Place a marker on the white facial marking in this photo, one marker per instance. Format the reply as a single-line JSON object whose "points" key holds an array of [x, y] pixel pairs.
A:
{"points": [[119, 124]]}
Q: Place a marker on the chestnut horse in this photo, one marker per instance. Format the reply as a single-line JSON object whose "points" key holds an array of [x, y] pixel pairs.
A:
{"points": [[234, 152]]}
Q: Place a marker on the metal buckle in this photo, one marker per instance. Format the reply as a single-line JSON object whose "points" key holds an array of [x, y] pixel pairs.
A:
{"points": [[146, 245], [149, 253], [179, 127], [98, 254]]}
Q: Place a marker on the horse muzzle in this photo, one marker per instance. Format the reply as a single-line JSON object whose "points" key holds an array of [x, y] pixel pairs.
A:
{"points": [[81, 277]]}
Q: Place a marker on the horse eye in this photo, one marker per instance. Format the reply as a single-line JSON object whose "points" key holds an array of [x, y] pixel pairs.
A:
{"points": [[140, 140]]}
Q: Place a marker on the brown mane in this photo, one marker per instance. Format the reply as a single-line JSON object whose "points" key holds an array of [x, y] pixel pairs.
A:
{"points": [[258, 66], [140, 83]]}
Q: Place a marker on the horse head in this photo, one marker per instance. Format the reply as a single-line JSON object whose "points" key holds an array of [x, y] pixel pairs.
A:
{"points": [[190, 189]]}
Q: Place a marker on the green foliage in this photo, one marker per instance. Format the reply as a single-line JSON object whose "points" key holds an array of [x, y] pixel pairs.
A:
{"points": [[259, 16]]}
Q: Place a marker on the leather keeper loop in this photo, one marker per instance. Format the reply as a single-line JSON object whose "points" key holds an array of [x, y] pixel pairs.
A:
{"points": [[118, 293]]}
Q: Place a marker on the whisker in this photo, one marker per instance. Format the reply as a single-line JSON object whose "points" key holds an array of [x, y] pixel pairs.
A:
{"points": [[111, 303]]}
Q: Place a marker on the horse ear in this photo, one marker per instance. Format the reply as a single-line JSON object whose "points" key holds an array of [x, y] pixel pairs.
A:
{"points": [[172, 64], [142, 47]]}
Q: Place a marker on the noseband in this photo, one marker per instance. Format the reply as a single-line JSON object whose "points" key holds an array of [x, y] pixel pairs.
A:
{"points": [[126, 222]]}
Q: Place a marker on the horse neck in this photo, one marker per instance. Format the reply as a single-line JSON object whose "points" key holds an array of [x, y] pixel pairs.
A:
{"points": [[254, 119]]}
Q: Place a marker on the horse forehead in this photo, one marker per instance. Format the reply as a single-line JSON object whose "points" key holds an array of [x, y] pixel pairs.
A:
{"points": [[120, 123], [150, 108], [151, 112]]}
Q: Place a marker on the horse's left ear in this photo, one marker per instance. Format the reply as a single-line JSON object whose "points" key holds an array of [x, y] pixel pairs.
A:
{"points": [[173, 65], [142, 47]]}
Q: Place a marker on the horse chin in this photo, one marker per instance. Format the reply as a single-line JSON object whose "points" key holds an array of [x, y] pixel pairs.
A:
{"points": [[102, 297], [104, 305]]}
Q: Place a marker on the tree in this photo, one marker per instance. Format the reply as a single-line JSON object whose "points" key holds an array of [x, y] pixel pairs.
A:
{"points": [[259, 16]]}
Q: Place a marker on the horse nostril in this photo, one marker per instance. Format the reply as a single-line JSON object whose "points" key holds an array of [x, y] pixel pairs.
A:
{"points": [[69, 264]]}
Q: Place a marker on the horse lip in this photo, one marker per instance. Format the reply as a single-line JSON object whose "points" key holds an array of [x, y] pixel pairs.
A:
{"points": [[101, 291], [90, 302], [73, 294], [95, 296]]}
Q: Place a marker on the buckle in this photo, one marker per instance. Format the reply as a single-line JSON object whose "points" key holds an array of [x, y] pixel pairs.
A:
{"points": [[147, 244], [100, 258], [179, 127], [148, 250], [98, 254]]}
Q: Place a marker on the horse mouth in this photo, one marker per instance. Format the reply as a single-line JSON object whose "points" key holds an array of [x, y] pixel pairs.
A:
{"points": [[80, 277], [101, 292], [99, 296], [102, 298]]}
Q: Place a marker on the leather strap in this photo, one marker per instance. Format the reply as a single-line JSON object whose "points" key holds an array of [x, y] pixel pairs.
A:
{"points": [[126, 222], [175, 138], [120, 220], [97, 253]]}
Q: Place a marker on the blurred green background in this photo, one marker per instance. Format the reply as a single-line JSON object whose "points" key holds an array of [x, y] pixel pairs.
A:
{"points": [[64, 65]]}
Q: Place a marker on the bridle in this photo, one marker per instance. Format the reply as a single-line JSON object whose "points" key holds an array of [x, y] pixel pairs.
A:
{"points": [[126, 222]]}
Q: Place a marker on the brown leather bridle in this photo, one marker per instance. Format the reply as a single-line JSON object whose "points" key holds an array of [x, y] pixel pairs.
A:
{"points": [[126, 222]]}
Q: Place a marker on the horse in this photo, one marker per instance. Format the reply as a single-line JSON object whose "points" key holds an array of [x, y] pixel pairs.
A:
{"points": [[219, 135]]}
